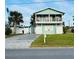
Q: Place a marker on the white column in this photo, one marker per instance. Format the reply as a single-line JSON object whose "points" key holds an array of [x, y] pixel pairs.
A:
{"points": [[55, 25], [49, 17]]}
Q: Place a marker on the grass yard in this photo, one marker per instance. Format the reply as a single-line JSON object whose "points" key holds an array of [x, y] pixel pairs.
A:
{"points": [[55, 40]]}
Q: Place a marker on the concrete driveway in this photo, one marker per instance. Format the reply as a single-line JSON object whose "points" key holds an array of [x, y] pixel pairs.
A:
{"points": [[20, 41]]}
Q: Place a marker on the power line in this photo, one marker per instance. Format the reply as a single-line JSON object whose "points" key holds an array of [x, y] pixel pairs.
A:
{"points": [[35, 2]]}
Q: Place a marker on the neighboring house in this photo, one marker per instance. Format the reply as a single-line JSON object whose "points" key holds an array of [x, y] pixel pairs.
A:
{"points": [[19, 29], [48, 21]]}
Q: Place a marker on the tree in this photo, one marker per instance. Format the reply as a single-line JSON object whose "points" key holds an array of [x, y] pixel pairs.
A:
{"points": [[72, 30], [8, 31], [32, 23], [16, 18], [63, 23], [32, 20]]}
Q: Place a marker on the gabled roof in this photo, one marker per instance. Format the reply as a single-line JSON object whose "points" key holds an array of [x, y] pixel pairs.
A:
{"points": [[50, 9]]}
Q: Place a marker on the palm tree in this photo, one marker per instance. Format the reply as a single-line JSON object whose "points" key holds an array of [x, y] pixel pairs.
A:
{"points": [[16, 18]]}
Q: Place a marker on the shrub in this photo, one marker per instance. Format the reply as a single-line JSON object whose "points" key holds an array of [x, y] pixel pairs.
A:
{"points": [[8, 31], [72, 30], [65, 29]]}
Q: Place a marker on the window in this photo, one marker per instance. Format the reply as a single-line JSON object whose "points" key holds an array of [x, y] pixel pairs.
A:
{"points": [[57, 18], [38, 19], [51, 18]]}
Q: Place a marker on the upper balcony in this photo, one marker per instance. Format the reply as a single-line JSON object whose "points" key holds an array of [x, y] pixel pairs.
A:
{"points": [[42, 22], [48, 19]]}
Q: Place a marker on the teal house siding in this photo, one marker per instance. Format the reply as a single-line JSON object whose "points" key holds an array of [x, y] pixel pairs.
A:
{"points": [[48, 21]]}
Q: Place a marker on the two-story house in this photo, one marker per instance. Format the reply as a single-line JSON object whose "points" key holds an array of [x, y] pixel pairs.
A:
{"points": [[48, 21]]}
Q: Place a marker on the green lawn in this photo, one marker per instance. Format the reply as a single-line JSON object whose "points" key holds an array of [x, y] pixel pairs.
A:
{"points": [[55, 40]]}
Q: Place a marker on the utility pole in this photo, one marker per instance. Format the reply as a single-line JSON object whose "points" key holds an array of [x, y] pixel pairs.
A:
{"points": [[73, 20]]}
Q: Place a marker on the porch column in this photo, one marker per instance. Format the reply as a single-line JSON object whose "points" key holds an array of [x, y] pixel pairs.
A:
{"points": [[49, 17], [42, 28], [55, 25]]}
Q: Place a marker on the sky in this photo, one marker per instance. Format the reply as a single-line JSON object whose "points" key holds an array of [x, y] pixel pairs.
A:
{"points": [[28, 7]]}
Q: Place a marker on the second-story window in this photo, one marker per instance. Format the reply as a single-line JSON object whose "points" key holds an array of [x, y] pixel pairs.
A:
{"points": [[57, 18], [50, 18], [45, 19], [38, 19]]}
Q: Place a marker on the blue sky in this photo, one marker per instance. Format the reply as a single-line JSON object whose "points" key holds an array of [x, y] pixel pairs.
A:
{"points": [[28, 7]]}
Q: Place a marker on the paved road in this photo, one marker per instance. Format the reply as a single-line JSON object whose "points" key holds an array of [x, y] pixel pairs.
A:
{"points": [[40, 53], [20, 41]]}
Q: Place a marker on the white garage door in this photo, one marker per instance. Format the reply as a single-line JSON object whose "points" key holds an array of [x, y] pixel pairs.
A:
{"points": [[49, 29]]}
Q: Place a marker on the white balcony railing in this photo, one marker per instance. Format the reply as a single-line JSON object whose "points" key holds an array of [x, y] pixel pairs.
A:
{"points": [[48, 22]]}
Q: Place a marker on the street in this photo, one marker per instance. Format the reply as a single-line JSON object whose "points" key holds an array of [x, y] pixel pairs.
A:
{"points": [[40, 53]]}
